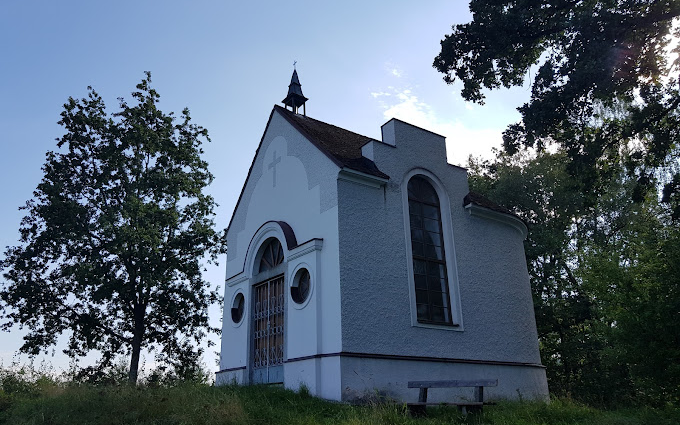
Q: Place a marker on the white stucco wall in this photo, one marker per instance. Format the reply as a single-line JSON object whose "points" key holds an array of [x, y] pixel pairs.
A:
{"points": [[365, 377], [293, 182], [488, 275]]}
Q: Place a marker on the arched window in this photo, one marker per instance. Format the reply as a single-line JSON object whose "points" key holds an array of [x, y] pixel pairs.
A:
{"points": [[272, 255], [429, 260]]}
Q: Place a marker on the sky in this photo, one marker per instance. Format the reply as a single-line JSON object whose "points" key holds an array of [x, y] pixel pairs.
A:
{"points": [[360, 64]]}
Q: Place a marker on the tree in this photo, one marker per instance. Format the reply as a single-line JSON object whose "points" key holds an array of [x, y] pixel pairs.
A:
{"points": [[602, 84], [112, 242], [601, 249], [635, 281], [604, 278], [540, 191]]}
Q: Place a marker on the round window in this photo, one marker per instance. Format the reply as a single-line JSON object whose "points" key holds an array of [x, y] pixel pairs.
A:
{"points": [[299, 291], [237, 308]]}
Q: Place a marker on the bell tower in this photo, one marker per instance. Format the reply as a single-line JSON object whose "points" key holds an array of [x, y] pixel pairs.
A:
{"points": [[295, 98]]}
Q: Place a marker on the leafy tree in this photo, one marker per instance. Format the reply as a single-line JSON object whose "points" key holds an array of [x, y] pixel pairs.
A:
{"points": [[602, 81], [112, 242], [604, 279], [635, 278], [541, 192], [606, 98]]}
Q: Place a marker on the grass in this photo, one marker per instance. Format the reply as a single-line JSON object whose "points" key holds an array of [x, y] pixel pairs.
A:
{"points": [[46, 401]]}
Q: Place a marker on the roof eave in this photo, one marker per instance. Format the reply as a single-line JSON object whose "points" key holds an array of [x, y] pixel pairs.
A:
{"points": [[349, 174], [509, 219], [250, 170]]}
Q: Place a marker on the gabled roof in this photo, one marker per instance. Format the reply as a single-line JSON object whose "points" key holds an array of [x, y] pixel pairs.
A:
{"points": [[342, 146]]}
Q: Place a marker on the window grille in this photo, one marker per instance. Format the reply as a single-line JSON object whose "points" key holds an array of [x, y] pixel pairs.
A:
{"points": [[268, 322], [429, 261], [272, 255]]}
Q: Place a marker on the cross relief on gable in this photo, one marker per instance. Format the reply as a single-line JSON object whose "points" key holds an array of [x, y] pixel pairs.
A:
{"points": [[272, 166]]}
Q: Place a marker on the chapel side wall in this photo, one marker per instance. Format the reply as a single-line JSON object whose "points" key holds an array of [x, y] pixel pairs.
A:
{"points": [[497, 312], [303, 194], [390, 377]]}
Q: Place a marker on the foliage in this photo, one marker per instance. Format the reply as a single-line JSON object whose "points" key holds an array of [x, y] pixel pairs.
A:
{"points": [[603, 82], [637, 285], [115, 372], [112, 242], [24, 381], [604, 279], [202, 404], [181, 371], [603, 208], [538, 190]]}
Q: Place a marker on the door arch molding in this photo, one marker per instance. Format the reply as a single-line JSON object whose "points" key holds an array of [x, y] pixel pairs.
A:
{"points": [[271, 229]]}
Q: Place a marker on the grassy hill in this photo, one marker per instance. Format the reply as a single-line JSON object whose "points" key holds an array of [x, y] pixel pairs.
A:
{"points": [[45, 401]]}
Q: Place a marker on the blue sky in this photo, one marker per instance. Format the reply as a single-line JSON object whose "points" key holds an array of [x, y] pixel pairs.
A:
{"points": [[360, 63]]}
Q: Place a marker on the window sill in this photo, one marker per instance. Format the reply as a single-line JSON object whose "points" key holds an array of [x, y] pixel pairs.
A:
{"points": [[453, 327]]}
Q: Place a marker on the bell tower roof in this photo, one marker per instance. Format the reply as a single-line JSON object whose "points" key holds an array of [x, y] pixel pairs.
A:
{"points": [[295, 98]]}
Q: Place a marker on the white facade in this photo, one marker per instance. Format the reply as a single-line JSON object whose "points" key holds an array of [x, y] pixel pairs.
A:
{"points": [[339, 208]]}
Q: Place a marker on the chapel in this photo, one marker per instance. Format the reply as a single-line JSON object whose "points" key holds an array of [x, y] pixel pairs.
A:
{"points": [[356, 265]]}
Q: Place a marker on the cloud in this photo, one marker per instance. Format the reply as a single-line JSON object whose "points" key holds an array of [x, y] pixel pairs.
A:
{"points": [[379, 94], [461, 141], [393, 70]]}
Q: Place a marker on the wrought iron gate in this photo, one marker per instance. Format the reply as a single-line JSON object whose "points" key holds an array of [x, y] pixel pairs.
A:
{"points": [[268, 322]]}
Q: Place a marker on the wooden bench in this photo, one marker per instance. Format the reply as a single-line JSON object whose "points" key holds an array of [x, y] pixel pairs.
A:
{"points": [[418, 409]]}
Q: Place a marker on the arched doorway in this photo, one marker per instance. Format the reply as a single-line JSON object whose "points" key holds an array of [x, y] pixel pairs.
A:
{"points": [[268, 315]]}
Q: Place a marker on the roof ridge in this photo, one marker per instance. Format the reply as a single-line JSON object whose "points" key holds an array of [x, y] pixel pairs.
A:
{"points": [[325, 123], [342, 146]]}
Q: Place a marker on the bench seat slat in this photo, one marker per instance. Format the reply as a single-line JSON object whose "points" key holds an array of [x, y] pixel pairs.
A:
{"points": [[454, 403], [453, 384], [461, 403]]}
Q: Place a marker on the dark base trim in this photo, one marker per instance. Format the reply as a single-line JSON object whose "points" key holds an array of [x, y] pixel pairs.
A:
{"points": [[232, 369], [413, 358]]}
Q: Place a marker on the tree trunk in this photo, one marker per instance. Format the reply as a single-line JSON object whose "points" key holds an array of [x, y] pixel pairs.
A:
{"points": [[134, 361], [136, 344]]}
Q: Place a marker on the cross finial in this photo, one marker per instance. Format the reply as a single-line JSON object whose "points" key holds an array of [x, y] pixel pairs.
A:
{"points": [[294, 63]]}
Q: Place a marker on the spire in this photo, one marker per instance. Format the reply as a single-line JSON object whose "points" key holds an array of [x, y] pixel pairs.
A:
{"points": [[295, 98]]}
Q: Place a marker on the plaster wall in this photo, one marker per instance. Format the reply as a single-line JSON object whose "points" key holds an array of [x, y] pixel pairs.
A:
{"points": [[293, 182], [302, 373], [322, 376], [497, 318], [229, 377], [361, 377]]}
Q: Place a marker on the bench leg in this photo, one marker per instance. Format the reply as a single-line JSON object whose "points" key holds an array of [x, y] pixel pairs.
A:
{"points": [[417, 411], [479, 394], [465, 410]]}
